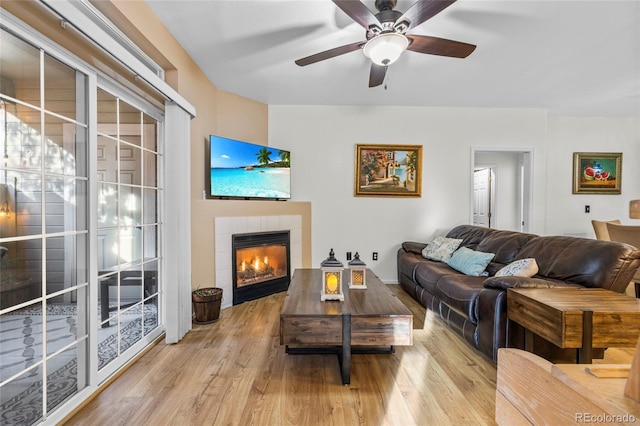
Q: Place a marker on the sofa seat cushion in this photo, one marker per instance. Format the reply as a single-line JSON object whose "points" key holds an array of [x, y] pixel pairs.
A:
{"points": [[428, 272], [506, 282], [460, 293]]}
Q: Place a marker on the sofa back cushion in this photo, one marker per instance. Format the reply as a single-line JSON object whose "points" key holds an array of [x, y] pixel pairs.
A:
{"points": [[469, 234], [504, 244], [590, 263]]}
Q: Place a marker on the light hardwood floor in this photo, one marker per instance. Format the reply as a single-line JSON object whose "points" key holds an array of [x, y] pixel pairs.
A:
{"points": [[234, 372]]}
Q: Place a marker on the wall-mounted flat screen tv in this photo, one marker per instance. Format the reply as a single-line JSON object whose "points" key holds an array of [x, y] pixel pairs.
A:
{"points": [[240, 169]]}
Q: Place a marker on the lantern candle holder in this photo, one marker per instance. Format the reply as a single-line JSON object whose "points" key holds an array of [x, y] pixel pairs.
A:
{"points": [[357, 273], [332, 270]]}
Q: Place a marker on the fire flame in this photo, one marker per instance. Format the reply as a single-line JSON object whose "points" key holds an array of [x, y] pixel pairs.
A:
{"points": [[255, 263]]}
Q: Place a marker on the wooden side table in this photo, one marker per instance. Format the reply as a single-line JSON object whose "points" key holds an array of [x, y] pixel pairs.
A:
{"points": [[580, 318]]}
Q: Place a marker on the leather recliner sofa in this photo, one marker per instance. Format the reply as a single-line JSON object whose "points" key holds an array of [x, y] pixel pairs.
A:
{"points": [[476, 307]]}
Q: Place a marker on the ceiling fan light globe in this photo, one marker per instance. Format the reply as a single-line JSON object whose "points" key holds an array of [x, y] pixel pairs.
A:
{"points": [[385, 49]]}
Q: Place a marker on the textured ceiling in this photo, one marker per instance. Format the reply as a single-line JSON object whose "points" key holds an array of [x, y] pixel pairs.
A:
{"points": [[571, 57]]}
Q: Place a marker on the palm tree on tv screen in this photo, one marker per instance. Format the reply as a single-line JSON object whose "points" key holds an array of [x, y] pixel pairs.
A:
{"points": [[284, 156], [263, 156]]}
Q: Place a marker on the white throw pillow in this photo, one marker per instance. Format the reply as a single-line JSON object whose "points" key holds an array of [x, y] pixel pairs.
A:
{"points": [[441, 248], [519, 268]]}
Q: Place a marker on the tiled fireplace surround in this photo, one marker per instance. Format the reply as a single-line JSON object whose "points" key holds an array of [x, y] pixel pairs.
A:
{"points": [[225, 227]]}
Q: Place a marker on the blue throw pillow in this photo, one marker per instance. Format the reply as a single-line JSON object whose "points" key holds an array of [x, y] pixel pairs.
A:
{"points": [[470, 262]]}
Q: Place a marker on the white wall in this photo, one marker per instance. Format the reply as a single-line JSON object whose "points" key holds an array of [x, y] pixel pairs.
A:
{"points": [[590, 134], [322, 142]]}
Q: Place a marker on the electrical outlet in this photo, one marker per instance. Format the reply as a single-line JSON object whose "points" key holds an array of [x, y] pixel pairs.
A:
{"points": [[587, 209], [375, 255], [348, 255]]}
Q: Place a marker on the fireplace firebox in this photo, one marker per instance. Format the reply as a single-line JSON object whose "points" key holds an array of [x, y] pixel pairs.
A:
{"points": [[261, 264]]}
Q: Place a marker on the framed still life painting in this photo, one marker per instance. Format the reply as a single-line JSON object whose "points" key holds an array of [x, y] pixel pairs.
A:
{"points": [[597, 173], [388, 170]]}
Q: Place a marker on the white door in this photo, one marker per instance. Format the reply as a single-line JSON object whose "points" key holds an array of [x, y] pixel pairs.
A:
{"points": [[482, 197]]}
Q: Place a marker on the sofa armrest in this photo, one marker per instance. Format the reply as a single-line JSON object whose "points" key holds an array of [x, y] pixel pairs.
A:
{"points": [[413, 247], [506, 282]]}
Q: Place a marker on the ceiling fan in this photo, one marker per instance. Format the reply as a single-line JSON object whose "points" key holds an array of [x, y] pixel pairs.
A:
{"points": [[387, 38]]}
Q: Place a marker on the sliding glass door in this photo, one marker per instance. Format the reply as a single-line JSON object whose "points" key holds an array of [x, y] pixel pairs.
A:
{"points": [[80, 264]]}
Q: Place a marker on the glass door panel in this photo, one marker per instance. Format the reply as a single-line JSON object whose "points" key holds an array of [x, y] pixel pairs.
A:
{"points": [[128, 227], [43, 269]]}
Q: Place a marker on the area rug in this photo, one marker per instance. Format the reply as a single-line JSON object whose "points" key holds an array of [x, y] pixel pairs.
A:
{"points": [[21, 347]]}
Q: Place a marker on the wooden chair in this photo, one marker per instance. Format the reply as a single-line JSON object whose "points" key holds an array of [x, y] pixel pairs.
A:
{"points": [[600, 228], [630, 235]]}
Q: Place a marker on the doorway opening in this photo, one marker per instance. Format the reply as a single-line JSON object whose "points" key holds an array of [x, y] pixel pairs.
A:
{"points": [[501, 188]]}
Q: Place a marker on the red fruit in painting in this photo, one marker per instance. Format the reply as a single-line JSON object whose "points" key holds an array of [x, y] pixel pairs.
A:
{"points": [[605, 175], [589, 171], [598, 176]]}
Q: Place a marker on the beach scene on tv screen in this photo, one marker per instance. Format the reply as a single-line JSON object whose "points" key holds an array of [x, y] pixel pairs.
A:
{"points": [[241, 169]]}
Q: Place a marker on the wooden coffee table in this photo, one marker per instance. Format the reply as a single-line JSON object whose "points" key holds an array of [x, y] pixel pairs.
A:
{"points": [[580, 318], [372, 320]]}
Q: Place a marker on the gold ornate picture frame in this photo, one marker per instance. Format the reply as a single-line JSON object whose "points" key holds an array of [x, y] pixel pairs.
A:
{"points": [[388, 170], [597, 173]]}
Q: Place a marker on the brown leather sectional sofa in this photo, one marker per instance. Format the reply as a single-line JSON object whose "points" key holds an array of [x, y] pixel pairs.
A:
{"points": [[475, 307]]}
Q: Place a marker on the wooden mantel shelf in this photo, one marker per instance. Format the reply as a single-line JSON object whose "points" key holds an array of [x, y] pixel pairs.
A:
{"points": [[531, 390]]}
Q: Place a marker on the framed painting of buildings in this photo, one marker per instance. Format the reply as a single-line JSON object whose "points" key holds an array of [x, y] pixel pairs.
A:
{"points": [[388, 170], [597, 172]]}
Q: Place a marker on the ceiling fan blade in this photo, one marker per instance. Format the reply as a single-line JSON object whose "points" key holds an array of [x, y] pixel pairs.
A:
{"points": [[358, 12], [422, 10], [377, 74], [439, 46], [331, 53]]}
